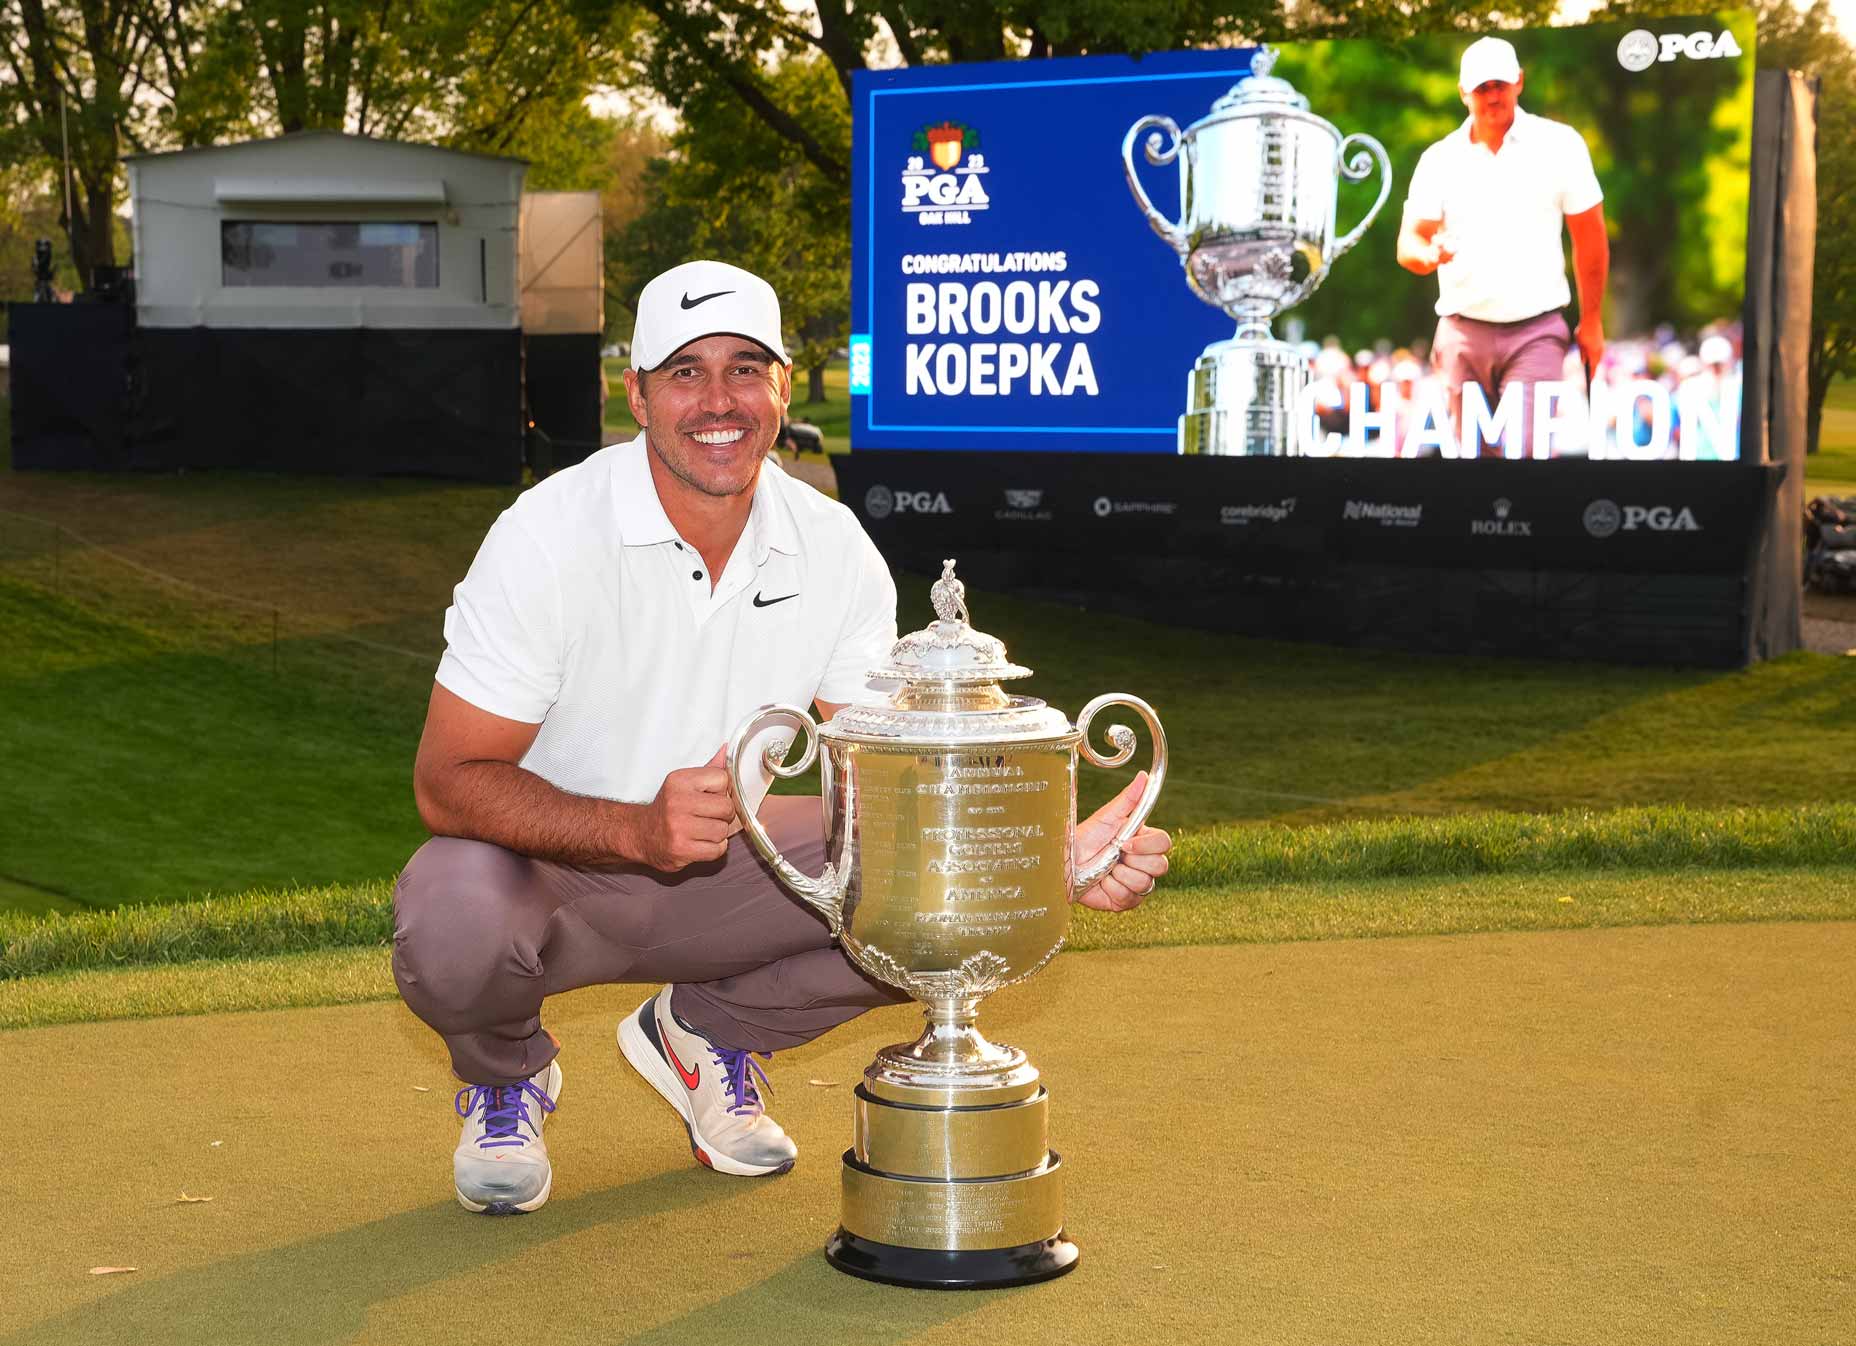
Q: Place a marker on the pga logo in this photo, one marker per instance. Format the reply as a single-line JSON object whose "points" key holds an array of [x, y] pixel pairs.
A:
{"points": [[1640, 49], [880, 502], [1605, 517]]}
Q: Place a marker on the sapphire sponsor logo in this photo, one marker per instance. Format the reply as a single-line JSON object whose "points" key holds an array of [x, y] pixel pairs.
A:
{"points": [[1502, 524], [1386, 516], [1105, 508], [943, 182], [1640, 49], [880, 502], [1023, 505], [1241, 516]]}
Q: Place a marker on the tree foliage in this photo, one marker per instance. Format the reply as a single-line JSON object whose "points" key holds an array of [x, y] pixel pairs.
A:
{"points": [[729, 186], [504, 76]]}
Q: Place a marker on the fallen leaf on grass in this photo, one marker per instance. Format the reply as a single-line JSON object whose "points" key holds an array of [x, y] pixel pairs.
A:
{"points": [[214, 1144], [111, 1271], [420, 1089], [1565, 899], [185, 1200], [824, 1084]]}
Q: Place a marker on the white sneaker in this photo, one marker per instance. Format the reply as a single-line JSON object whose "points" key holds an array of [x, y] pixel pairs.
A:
{"points": [[716, 1089], [501, 1163]]}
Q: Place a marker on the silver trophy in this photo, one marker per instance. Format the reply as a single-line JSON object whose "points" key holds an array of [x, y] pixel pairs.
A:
{"points": [[1258, 188], [950, 823]]}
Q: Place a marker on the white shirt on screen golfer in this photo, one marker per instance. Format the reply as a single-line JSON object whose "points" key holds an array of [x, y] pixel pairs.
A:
{"points": [[1503, 216], [584, 612]]}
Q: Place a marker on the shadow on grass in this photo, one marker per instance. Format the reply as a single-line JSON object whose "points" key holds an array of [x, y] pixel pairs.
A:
{"points": [[324, 1290], [808, 1301]]}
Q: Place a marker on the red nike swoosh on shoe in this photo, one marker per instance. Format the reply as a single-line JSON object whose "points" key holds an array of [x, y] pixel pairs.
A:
{"points": [[690, 1078]]}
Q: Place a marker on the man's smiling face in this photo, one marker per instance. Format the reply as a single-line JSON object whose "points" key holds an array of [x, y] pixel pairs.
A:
{"points": [[711, 411]]}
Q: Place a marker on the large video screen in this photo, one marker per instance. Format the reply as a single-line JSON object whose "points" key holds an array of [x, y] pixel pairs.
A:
{"points": [[1330, 249]]}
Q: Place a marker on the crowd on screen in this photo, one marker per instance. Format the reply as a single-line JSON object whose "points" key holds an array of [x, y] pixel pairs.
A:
{"points": [[1705, 370]]}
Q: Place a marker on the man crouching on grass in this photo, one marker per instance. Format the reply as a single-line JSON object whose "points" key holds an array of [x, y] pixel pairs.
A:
{"points": [[621, 618]]}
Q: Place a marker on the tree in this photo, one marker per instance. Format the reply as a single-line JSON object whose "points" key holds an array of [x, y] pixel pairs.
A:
{"points": [[730, 186], [79, 72]]}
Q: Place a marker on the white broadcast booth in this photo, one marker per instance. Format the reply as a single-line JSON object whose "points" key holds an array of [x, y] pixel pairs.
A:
{"points": [[330, 303]]}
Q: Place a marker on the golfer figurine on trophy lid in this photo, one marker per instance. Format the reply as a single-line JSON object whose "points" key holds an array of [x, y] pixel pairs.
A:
{"points": [[1258, 187], [950, 817]]}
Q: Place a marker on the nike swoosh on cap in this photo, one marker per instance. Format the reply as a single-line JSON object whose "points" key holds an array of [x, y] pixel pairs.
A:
{"points": [[687, 302], [767, 603]]}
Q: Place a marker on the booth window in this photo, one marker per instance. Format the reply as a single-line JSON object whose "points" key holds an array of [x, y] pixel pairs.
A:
{"points": [[397, 256]]}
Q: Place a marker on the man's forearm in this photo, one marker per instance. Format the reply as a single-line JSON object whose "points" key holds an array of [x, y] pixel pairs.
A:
{"points": [[508, 806], [1591, 264]]}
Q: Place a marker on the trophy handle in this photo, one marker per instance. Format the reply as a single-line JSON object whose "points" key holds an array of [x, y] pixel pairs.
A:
{"points": [[1122, 738], [1355, 170], [1172, 233], [825, 894]]}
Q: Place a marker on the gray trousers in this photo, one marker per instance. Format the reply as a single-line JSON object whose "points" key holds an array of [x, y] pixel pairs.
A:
{"points": [[1495, 354], [482, 935]]}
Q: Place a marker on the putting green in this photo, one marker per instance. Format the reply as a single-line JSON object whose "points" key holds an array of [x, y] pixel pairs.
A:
{"points": [[1631, 1136]]}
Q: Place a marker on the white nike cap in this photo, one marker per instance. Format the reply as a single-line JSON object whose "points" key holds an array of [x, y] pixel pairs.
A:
{"points": [[1488, 58], [700, 299]]}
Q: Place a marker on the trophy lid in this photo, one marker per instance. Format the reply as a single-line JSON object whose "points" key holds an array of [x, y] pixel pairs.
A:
{"points": [[947, 678], [1259, 88]]}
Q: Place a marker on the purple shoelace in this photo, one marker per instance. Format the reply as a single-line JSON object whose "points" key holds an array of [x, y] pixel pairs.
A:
{"points": [[740, 1071], [505, 1106]]}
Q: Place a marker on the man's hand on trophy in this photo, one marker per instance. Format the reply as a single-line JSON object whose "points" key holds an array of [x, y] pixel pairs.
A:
{"points": [[689, 822], [1143, 858]]}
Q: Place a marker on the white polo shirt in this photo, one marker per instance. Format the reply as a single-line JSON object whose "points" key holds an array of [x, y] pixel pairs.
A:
{"points": [[587, 614], [1502, 216]]}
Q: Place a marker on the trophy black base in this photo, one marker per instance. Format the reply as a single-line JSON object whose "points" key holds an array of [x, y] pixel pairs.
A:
{"points": [[942, 1269]]}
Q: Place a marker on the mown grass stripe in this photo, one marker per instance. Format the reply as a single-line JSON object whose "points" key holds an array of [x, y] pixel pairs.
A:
{"points": [[1670, 836], [1226, 860], [1266, 913]]}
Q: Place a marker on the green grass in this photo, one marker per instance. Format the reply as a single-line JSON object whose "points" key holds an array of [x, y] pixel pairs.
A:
{"points": [[1212, 870], [1247, 912], [1832, 469], [162, 747]]}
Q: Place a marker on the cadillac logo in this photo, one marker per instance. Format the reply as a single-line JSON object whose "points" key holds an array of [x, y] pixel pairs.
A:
{"points": [[1024, 499]]}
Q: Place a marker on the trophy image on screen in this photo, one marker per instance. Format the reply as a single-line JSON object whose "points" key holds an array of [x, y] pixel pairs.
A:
{"points": [[1258, 189], [950, 817]]}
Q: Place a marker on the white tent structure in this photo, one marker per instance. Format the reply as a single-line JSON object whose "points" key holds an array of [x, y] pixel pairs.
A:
{"points": [[327, 303]]}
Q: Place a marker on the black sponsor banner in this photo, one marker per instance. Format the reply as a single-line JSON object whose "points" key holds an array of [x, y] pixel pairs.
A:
{"points": [[1688, 519], [1619, 561]]}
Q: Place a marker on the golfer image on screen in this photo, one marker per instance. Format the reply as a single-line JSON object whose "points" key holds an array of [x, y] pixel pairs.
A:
{"points": [[1484, 212]]}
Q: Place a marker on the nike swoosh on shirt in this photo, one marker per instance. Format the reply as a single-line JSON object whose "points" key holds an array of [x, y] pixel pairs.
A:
{"points": [[687, 302], [759, 602]]}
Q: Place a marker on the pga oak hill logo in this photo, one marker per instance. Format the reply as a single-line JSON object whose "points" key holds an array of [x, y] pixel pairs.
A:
{"points": [[1605, 517], [1640, 49], [941, 183], [880, 502]]}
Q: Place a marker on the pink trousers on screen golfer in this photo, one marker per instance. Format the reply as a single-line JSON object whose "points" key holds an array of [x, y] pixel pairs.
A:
{"points": [[1496, 354], [482, 936]]}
